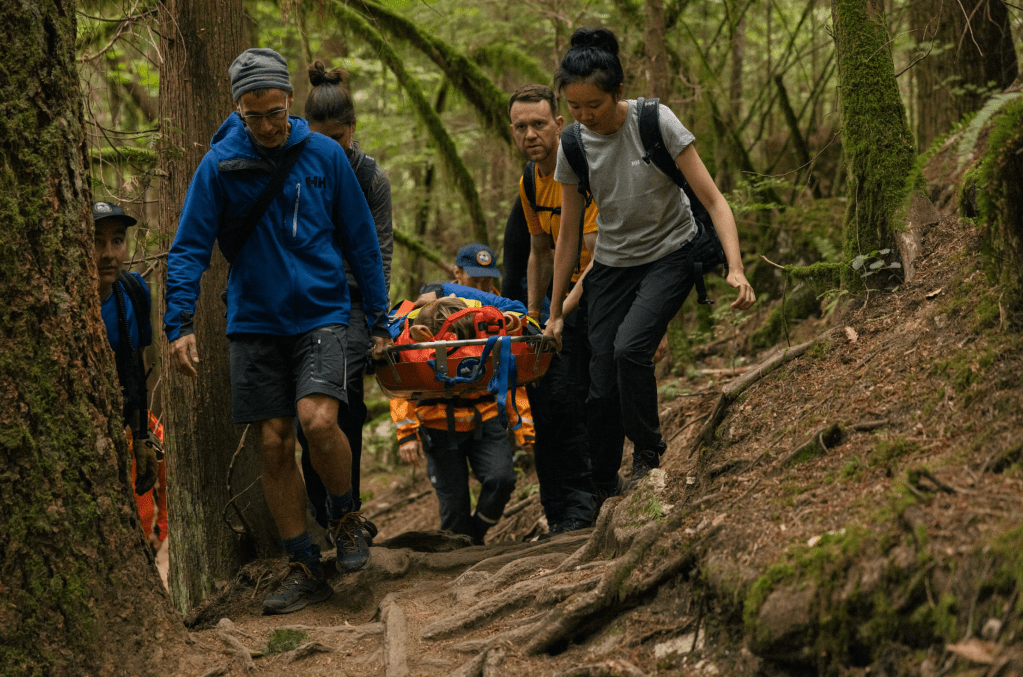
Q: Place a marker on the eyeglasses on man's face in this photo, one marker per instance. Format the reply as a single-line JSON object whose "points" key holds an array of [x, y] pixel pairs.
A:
{"points": [[275, 116]]}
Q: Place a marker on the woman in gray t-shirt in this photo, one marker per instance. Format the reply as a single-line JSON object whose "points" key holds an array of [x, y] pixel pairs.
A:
{"points": [[638, 281]]}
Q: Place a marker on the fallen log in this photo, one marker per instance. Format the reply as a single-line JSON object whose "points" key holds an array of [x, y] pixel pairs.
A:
{"points": [[731, 392]]}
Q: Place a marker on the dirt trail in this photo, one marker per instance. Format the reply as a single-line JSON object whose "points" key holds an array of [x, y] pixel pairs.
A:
{"points": [[856, 509]]}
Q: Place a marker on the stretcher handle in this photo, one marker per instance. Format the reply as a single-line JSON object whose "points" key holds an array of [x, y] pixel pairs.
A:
{"points": [[536, 338]]}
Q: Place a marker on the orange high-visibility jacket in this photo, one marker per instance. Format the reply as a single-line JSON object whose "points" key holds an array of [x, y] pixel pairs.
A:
{"points": [[408, 416]]}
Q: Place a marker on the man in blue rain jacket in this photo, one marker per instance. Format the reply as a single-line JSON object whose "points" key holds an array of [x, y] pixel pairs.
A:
{"points": [[287, 297]]}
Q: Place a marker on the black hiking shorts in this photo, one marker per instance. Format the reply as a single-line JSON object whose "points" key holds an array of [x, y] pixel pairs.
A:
{"points": [[270, 374]]}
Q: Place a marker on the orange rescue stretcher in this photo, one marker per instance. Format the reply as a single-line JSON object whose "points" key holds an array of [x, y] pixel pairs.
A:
{"points": [[495, 362]]}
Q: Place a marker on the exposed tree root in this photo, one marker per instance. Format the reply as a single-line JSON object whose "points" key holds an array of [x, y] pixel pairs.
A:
{"points": [[305, 651], [226, 630], [216, 672], [488, 663], [618, 586], [522, 568], [395, 637], [493, 561], [352, 634], [525, 628], [594, 543], [557, 593], [515, 597], [612, 668], [732, 391]]}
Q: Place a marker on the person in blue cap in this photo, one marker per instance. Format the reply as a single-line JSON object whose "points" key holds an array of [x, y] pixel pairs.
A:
{"points": [[475, 271], [285, 208], [124, 299]]}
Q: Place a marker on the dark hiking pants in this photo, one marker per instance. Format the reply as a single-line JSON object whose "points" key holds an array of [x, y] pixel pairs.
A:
{"points": [[629, 310], [489, 454], [558, 403]]}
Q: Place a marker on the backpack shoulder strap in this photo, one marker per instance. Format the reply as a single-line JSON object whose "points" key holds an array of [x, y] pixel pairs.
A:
{"points": [[138, 296], [529, 186], [240, 235], [575, 153], [365, 173], [656, 152], [653, 141]]}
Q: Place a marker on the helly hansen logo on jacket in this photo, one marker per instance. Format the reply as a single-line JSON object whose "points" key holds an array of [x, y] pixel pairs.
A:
{"points": [[315, 182]]}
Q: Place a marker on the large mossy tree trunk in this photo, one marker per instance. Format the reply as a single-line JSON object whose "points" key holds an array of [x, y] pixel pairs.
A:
{"points": [[993, 191], [963, 64], [200, 39], [876, 139], [79, 593]]}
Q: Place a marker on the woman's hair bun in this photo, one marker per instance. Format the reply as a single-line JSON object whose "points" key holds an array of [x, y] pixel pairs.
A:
{"points": [[597, 38], [319, 75]]}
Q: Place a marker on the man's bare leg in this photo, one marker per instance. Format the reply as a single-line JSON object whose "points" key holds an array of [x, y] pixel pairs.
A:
{"points": [[328, 447], [282, 480], [332, 458]]}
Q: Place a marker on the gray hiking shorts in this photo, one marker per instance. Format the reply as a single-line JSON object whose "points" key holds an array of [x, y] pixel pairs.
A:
{"points": [[270, 374]]}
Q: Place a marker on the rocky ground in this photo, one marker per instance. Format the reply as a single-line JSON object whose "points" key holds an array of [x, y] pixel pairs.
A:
{"points": [[849, 502]]}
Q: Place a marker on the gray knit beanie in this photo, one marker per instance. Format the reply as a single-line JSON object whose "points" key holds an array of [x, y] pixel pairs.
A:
{"points": [[258, 69]]}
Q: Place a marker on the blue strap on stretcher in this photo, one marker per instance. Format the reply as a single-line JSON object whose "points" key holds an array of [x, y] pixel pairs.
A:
{"points": [[502, 381], [451, 381]]}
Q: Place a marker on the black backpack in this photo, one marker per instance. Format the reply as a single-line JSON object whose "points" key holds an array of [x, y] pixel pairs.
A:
{"points": [[131, 369], [707, 252], [529, 186]]}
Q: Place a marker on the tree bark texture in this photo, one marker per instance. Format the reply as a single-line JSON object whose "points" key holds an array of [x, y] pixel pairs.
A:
{"points": [[876, 139], [79, 593], [658, 81], [965, 62], [200, 40]]}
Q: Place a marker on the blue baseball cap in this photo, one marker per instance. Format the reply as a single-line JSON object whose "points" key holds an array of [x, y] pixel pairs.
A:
{"points": [[478, 260]]}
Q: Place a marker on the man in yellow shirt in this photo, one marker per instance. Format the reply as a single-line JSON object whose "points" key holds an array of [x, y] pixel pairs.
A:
{"points": [[559, 400]]}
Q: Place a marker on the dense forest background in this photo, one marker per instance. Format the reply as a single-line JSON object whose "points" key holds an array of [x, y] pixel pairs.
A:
{"points": [[755, 80], [830, 126]]}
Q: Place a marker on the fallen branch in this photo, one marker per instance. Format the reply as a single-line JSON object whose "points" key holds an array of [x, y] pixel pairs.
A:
{"points": [[518, 506], [397, 504], [867, 426], [731, 392], [817, 445]]}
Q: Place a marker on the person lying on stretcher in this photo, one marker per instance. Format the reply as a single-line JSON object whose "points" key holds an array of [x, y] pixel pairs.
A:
{"points": [[447, 432]]}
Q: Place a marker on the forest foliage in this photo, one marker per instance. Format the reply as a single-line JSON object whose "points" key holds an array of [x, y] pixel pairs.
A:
{"points": [[755, 80]]}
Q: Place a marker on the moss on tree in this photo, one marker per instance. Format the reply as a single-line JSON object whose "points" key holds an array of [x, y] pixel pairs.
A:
{"points": [[876, 139], [70, 527], [992, 190], [445, 144]]}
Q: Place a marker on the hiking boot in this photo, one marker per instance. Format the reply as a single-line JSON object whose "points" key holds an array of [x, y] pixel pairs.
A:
{"points": [[602, 494], [352, 535], [369, 528], [301, 587], [643, 461], [571, 524]]}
